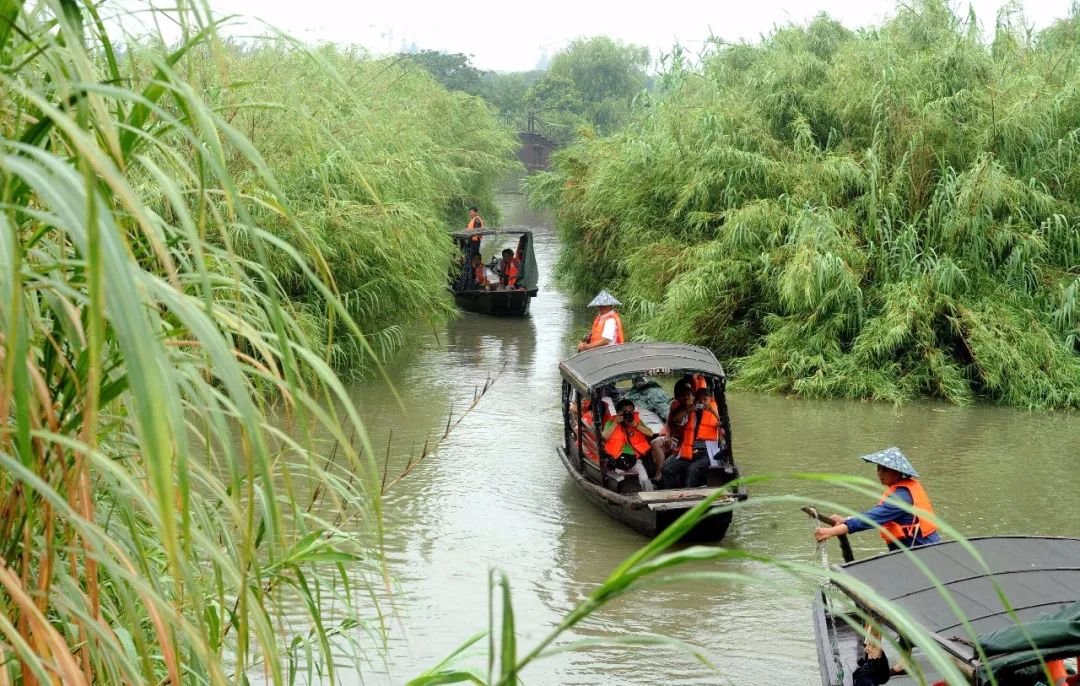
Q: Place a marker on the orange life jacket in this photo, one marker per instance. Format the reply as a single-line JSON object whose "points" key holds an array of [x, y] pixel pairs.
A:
{"points": [[480, 273], [509, 272], [892, 532], [598, 327], [588, 436], [475, 223], [623, 435], [697, 382], [709, 430]]}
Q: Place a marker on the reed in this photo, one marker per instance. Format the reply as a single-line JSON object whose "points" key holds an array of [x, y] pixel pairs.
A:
{"points": [[887, 214], [177, 286]]}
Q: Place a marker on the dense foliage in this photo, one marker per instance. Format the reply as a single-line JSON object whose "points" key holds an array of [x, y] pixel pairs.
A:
{"points": [[887, 213], [180, 498], [375, 162]]}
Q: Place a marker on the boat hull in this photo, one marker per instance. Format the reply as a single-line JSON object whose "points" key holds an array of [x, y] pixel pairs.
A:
{"points": [[638, 515], [512, 303]]}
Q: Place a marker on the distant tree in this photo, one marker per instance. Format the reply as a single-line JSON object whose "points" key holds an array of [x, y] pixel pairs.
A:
{"points": [[594, 78], [507, 91], [453, 70]]}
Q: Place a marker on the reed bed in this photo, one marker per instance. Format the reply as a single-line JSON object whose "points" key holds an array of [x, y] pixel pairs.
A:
{"points": [[888, 213], [186, 257]]}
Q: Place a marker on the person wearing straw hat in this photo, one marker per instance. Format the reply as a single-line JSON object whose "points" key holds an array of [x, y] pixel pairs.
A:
{"points": [[607, 327], [893, 515]]}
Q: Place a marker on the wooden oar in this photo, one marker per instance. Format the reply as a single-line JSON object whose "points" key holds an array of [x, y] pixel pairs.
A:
{"points": [[845, 544]]}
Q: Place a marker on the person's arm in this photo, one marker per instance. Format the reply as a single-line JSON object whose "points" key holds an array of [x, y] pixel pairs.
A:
{"points": [[877, 515], [645, 430], [609, 428]]}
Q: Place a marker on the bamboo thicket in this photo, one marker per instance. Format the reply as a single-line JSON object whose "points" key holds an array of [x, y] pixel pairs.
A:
{"points": [[885, 213]]}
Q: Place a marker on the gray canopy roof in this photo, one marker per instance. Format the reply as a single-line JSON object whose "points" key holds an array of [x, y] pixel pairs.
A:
{"points": [[505, 231], [612, 363], [1036, 574]]}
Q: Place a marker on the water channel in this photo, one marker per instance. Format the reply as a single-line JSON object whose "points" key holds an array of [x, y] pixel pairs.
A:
{"points": [[494, 495]]}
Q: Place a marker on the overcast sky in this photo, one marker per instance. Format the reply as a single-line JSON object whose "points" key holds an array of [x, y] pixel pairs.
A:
{"points": [[512, 36]]}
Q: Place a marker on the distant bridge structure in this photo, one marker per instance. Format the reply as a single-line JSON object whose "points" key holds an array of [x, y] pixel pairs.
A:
{"points": [[537, 141]]}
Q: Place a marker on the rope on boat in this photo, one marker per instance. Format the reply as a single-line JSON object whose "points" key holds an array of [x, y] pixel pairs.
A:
{"points": [[823, 560]]}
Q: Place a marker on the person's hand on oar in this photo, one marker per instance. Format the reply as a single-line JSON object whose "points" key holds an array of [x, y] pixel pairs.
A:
{"points": [[839, 528]]}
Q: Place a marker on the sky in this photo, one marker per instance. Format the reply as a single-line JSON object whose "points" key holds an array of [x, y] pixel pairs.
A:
{"points": [[505, 35]]}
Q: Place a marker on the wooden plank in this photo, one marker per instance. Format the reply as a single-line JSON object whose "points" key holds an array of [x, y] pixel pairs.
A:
{"points": [[677, 494], [683, 504]]}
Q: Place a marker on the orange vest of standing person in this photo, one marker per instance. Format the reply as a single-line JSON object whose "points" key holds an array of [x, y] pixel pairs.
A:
{"points": [[598, 327], [891, 531], [509, 273], [623, 435], [709, 430], [475, 223]]}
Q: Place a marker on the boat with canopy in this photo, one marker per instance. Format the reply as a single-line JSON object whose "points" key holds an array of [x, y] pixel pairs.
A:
{"points": [[589, 378], [505, 300]]}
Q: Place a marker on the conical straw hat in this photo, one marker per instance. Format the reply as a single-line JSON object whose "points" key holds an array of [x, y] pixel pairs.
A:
{"points": [[893, 459], [604, 299]]}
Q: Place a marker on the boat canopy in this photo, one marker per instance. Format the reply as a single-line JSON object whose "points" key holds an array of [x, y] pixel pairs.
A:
{"points": [[495, 231], [612, 363], [1037, 576]]}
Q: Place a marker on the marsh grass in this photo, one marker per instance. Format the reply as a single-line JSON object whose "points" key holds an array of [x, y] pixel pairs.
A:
{"points": [[887, 213]]}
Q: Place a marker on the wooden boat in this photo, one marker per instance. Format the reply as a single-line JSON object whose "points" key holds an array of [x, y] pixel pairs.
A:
{"points": [[619, 494], [501, 302], [963, 614]]}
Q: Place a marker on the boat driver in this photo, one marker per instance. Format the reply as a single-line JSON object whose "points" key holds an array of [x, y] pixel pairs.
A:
{"points": [[892, 516]]}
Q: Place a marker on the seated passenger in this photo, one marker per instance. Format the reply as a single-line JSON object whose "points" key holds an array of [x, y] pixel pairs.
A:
{"points": [[667, 443], [702, 428], [626, 441], [509, 269], [482, 277]]}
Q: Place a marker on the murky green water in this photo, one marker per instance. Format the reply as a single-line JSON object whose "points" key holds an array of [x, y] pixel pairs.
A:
{"points": [[494, 495]]}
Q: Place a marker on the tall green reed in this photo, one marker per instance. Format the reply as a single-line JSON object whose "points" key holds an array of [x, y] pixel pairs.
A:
{"points": [[166, 357]]}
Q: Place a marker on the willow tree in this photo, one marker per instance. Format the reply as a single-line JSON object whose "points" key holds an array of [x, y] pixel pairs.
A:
{"points": [[888, 213]]}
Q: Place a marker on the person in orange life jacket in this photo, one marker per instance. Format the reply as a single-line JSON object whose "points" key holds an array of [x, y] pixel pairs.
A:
{"points": [[475, 223], [667, 443], [892, 516], [509, 268], [626, 441], [607, 327], [480, 274], [703, 425]]}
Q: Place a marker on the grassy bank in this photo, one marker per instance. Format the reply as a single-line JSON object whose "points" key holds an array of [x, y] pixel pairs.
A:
{"points": [[178, 244], [888, 213]]}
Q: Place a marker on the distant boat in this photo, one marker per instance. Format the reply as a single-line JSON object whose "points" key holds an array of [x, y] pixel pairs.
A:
{"points": [[506, 301], [955, 598], [620, 494]]}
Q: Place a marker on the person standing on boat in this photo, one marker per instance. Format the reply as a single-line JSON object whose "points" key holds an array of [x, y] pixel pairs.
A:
{"points": [[607, 328], [472, 247], [892, 515]]}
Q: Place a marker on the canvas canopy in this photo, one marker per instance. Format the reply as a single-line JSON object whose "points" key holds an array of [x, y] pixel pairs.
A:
{"points": [[612, 363]]}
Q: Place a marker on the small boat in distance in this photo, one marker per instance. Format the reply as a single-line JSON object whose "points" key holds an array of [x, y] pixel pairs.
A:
{"points": [[950, 599], [503, 300], [593, 374]]}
